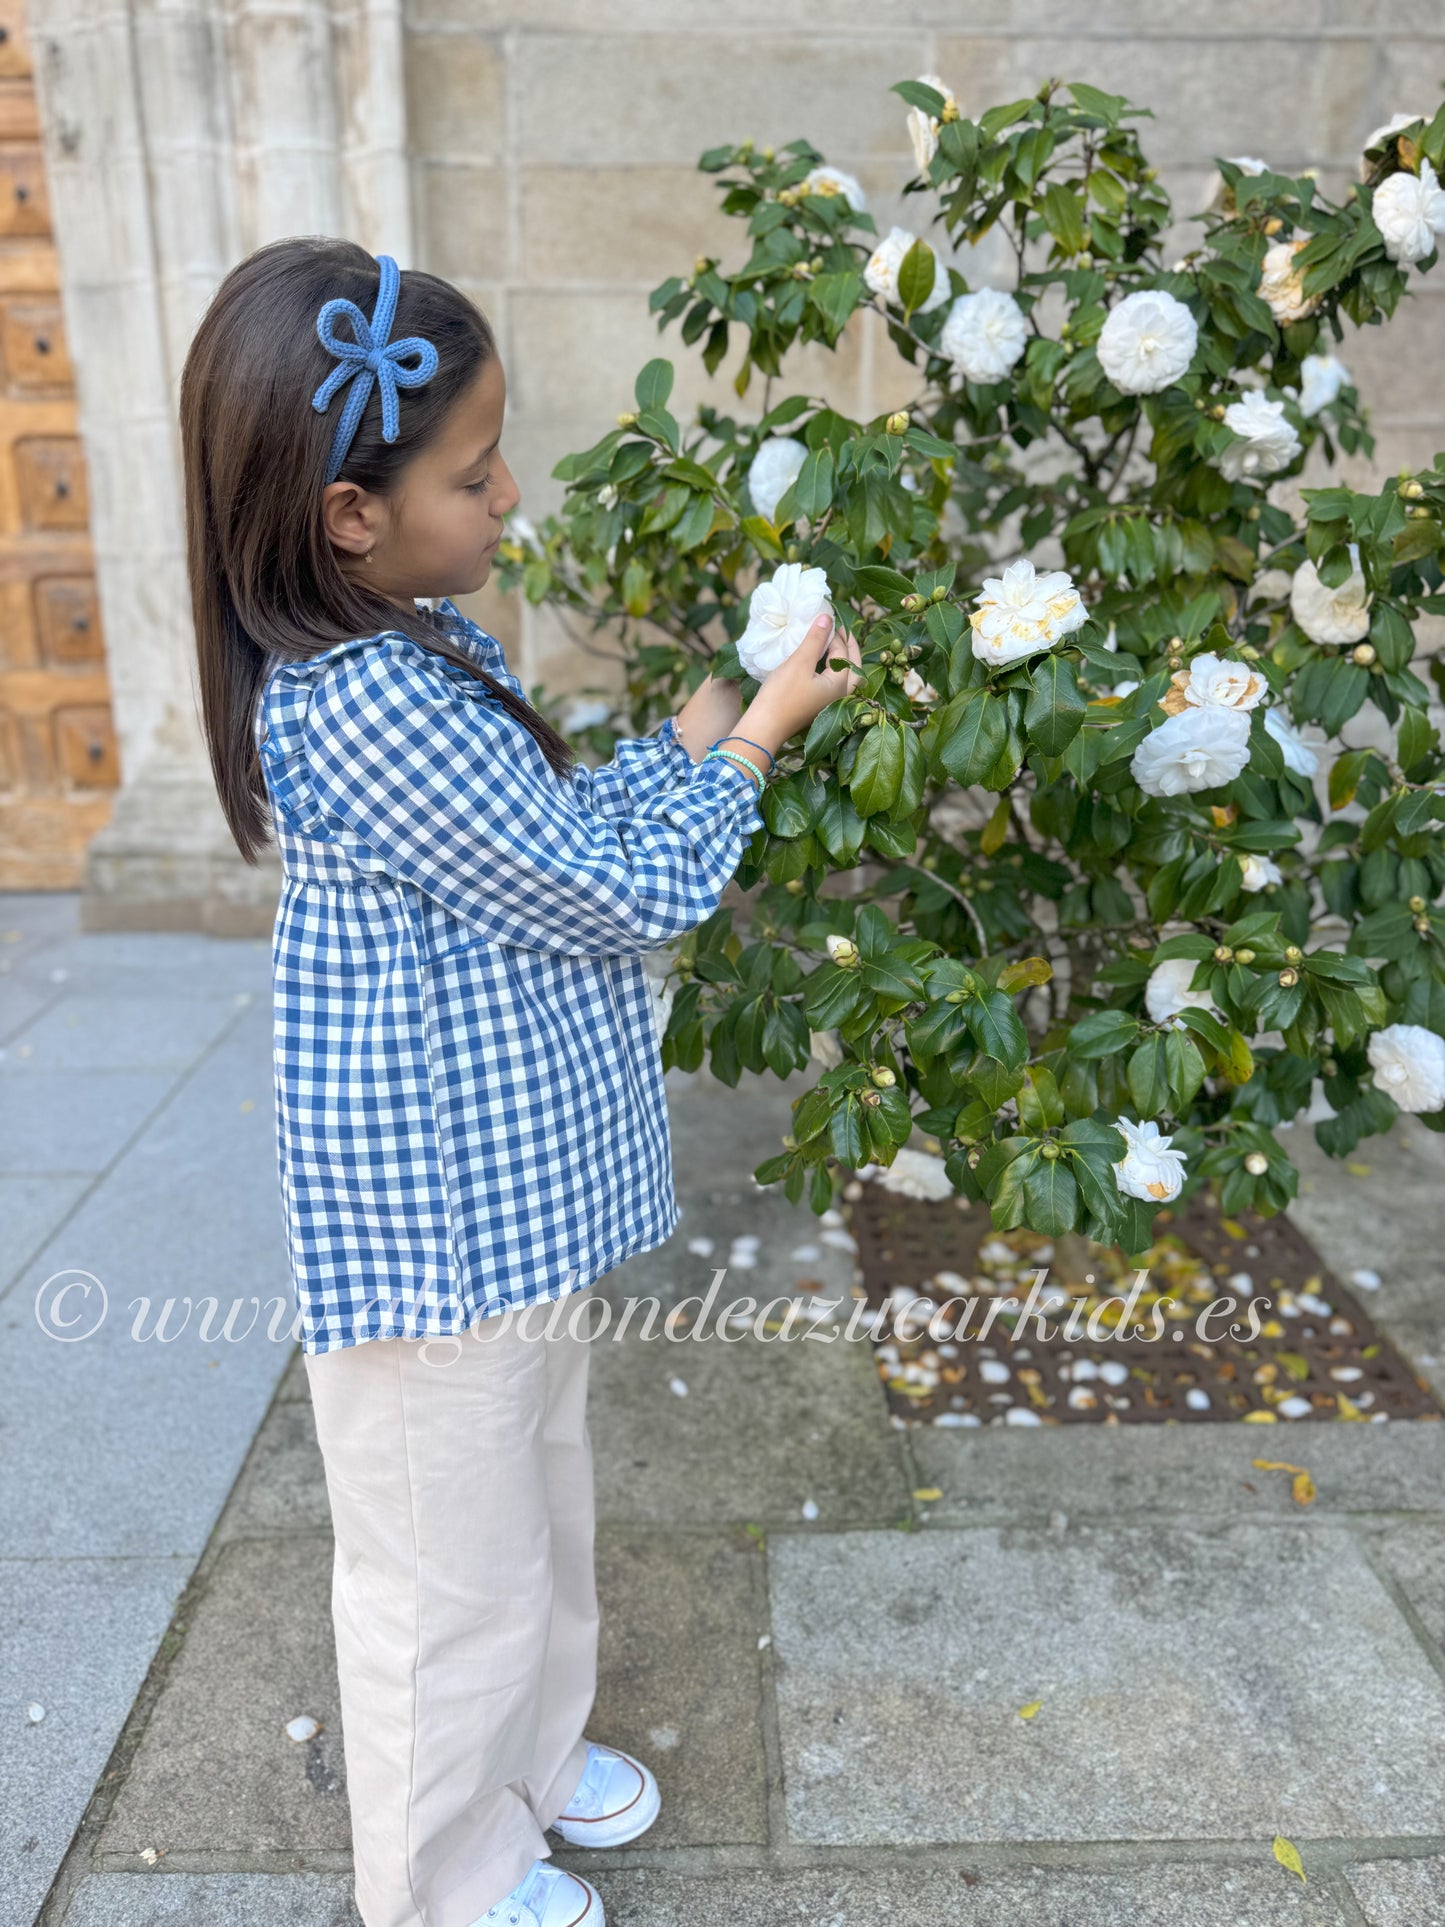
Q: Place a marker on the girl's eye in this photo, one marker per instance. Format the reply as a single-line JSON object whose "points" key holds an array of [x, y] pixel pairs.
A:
{"points": [[477, 488]]}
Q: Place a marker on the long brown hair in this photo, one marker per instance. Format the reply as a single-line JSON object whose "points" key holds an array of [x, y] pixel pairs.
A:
{"points": [[266, 583]]}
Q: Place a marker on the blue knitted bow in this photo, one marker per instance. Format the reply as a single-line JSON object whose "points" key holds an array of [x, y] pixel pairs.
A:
{"points": [[367, 359]]}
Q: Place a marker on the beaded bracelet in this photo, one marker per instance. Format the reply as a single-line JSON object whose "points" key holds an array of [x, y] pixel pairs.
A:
{"points": [[772, 760], [736, 757]]}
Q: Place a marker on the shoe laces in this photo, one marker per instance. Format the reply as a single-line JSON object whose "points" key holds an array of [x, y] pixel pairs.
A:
{"points": [[586, 1802], [522, 1906]]}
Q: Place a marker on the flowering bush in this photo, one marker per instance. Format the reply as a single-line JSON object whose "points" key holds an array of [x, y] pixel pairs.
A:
{"points": [[1109, 920]]}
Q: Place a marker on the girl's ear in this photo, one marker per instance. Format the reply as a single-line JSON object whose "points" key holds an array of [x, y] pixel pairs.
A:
{"points": [[352, 518]]}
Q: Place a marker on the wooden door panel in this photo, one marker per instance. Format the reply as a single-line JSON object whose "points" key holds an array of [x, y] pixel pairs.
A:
{"points": [[59, 767]]}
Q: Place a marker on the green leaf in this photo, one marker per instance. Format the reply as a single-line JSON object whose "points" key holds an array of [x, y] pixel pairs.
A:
{"points": [[915, 277], [812, 492], [877, 773], [975, 736], [1148, 1077], [654, 385], [1051, 1197], [1054, 714], [1063, 214], [1104, 1033], [996, 1026]]}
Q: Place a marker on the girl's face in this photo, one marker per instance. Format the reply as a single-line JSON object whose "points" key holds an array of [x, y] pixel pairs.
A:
{"points": [[437, 532]]}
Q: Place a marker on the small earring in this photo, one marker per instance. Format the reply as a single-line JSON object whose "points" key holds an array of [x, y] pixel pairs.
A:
{"points": [[367, 556]]}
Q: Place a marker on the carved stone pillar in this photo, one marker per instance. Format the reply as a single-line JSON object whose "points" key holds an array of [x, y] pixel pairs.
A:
{"points": [[180, 135]]}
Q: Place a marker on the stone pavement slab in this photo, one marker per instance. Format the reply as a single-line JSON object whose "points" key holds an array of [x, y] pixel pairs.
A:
{"points": [[997, 1474], [1401, 1893], [1196, 1683], [765, 1423], [76, 1639], [217, 1773], [213, 1900], [1412, 1555], [680, 1678]]}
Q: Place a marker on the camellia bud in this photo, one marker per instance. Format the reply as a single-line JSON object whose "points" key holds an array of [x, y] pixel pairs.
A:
{"points": [[769, 153], [884, 1078], [913, 603], [1412, 491], [842, 950], [1293, 953], [1049, 1150], [1223, 953], [1273, 224], [950, 110], [897, 424], [1422, 924], [1363, 653], [1249, 653], [1288, 979], [1218, 411], [795, 886], [1244, 956], [787, 196], [871, 1098], [1256, 1164], [1417, 904], [973, 1157], [958, 996], [939, 592], [1419, 515], [701, 264], [794, 552]]}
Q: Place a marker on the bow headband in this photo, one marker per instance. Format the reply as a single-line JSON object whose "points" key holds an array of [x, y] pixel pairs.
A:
{"points": [[367, 359]]}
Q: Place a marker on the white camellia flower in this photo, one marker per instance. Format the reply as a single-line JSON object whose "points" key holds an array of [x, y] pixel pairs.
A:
{"points": [[780, 614], [1219, 194], [1022, 612], [923, 128], [1321, 379], [881, 273], [1409, 1065], [1257, 871], [1331, 615], [1265, 441], [1409, 211], [917, 690], [984, 335], [522, 529], [1280, 283], [1247, 164], [1167, 991], [1147, 342], [774, 469], [1396, 124], [1151, 1168], [1199, 749], [1224, 682], [832, 180], [1299, 755]]}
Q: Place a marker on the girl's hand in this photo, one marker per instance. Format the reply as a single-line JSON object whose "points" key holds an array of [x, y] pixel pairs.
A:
{"points": [[800, 688]]}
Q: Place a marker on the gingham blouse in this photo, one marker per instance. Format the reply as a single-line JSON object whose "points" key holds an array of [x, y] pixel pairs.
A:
{"points": [[469, 1099]]}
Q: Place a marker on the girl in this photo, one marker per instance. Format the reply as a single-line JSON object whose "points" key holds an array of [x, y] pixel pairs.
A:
{"points": [[470, 1108]]}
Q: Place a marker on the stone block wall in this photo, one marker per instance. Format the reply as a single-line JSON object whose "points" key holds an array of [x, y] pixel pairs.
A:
{"points": [[555, 148]]}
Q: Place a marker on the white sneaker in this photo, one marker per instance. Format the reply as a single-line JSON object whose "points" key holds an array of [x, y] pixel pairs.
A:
{"points": [[547, 1896], [616, 1799]]}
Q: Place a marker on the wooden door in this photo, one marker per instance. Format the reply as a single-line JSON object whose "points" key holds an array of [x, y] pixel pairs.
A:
{"points": [[58, 766]]}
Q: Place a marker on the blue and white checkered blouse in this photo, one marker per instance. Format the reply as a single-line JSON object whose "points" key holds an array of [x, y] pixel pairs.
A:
{"points": [[470, 1106]]}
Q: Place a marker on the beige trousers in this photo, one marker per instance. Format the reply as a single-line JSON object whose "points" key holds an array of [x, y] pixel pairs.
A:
{"points": [[464, 1598]]}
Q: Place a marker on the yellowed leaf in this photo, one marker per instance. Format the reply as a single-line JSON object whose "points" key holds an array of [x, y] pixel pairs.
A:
{"points": [[1232, 1228], [1027, 1712], [1287, 1854], [1260, 1418], [1348, 1409], [1359, 1170], [1302, 1488], [929, 1492]]}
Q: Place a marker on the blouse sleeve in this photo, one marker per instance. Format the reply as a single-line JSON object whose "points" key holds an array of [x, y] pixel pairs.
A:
{"points": [[641, 768], [455, 797]]}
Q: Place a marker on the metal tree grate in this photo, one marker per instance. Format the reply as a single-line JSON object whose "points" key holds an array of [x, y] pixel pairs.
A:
{"points": [[1317, 1354]]}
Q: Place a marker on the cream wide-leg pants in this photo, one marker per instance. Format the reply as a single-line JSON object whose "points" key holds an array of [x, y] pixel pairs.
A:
{"points": [[464, 1598]]}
